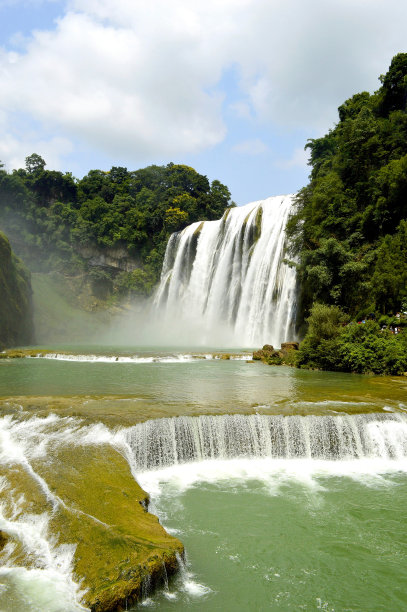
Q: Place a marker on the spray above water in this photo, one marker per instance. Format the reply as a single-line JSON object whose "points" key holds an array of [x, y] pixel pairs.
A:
{"points": [[226, 280]]}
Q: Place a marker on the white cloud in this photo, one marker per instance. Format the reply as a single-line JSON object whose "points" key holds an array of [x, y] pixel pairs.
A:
{"points": [[14, 150], [141, 78], [251, 147], [299, 159]]}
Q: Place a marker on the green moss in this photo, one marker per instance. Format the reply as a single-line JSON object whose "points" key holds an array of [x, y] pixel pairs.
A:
{"points": [[198, 230], [226, 214], [257, 223], [103, 513], [22, 353]]}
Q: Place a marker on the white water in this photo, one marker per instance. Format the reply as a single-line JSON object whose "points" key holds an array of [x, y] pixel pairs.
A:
{"points": [[222, 283], [175, 454], [165, 443], [138, 359]]}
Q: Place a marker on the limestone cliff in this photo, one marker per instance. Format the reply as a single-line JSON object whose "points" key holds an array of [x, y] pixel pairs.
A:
{"points": [[16, 326]]}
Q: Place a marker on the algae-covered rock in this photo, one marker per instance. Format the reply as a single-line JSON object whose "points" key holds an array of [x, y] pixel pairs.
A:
{"points": [[93, 504], [289, 346], [3, 539], [16, 323], [285, 356], [264, 354], [119, 544]]}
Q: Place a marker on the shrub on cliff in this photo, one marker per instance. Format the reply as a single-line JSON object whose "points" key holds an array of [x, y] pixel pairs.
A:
{"points": [[319, 347]]}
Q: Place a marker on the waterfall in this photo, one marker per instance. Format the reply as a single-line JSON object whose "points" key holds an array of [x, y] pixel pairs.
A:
{"points": [[225, 282], [174, 441]]}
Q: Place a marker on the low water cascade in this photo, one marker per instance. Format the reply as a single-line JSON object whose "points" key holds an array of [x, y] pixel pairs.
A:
{"points": [[226, 280], [169, 442], [184, 450]]}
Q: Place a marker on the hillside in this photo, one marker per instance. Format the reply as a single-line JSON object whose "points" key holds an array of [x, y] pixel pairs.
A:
{"points": [[16, 325], [109, 228], [349, 232]]}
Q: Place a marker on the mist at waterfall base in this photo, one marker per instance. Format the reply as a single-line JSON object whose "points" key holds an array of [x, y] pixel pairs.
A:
{"points": [[287, 487], [223, 284]]}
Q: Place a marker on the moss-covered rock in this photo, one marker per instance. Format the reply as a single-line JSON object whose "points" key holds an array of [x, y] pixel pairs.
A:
{"points": [[95, 504], [285, 356], [16, 317], [3, 539]]}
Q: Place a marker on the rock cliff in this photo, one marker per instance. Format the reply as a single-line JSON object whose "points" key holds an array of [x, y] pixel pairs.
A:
{"points": [[16, 326]]}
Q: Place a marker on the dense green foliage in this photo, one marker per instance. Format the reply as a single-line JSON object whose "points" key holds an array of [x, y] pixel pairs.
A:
{"points": [[334, 343], [53, 218], [16, 325], [349, 232]]}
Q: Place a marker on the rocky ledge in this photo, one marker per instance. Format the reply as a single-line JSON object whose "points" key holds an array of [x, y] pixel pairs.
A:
{"points": [[94, 504], [286, 355]]}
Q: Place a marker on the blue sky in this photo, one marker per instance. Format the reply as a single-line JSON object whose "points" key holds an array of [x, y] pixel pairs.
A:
{"points": [[231, 87]]}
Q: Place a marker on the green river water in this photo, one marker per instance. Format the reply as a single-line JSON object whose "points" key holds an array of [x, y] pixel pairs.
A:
{"points": [[286, 533]]}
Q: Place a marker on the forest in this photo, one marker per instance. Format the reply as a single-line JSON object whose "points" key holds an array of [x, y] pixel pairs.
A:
{"points": [[349, 232], [51, 218], [348, 235]]}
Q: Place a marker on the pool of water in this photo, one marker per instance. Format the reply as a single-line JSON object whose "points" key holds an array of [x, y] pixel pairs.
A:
{"points": [[260, 534], [286, 538]]}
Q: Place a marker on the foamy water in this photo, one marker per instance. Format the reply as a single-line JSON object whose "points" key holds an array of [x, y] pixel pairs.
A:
{"points": [[273, 451], [137, 359]]}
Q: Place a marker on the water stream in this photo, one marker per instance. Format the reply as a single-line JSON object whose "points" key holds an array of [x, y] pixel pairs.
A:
{"points": [[288, 488], [225, 282]]}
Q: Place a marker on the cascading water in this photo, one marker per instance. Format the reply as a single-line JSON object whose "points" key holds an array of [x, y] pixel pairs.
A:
{"points": [[182, 450], [169, 442], [226, 282]]}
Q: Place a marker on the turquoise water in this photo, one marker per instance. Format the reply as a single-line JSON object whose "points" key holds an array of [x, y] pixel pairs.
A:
{"points": [[279, 544], [187, 383], [277, 534]]}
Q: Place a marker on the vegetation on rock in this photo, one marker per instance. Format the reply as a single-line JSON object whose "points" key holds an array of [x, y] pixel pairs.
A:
{"points": [[16, 325], [285, 356], [335, 343], [349, 231], [58, 223]]}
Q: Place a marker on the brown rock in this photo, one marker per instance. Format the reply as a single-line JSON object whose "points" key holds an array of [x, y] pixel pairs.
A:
{"points": [[289, 346]]}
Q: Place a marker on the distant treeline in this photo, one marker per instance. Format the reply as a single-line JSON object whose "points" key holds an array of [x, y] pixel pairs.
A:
{"points": [[51, 217], [350, 229]]}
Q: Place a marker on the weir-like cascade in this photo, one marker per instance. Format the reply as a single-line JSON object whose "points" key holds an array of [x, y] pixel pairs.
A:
{"points": [[225, 282], [168, 442], [38, 558]]}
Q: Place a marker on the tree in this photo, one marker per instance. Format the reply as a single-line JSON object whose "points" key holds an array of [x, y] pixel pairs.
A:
{"points": [[34, 163], [393, 95], [175, 219]]}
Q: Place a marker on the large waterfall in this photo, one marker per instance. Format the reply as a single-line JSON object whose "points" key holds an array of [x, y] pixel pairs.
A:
{"points": [[225, 282]]}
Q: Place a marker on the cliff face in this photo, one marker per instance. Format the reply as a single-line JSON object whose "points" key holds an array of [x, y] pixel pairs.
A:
{"points": [[109, 257], [16, 323]]}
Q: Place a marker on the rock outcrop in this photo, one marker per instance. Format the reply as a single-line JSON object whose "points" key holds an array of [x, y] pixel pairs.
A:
{"points": [[285, 356], [16, 323], [95, 505]]}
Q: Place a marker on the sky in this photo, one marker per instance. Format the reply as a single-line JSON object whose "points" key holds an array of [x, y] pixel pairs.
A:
{"points": [[233, 88]]}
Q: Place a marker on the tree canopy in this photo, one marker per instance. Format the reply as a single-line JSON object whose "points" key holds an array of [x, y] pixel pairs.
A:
{"points": [[349, 229], [51, 217]]}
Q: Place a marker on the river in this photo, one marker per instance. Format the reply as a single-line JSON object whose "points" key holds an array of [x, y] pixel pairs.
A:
{"points": [[316, 524]]}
